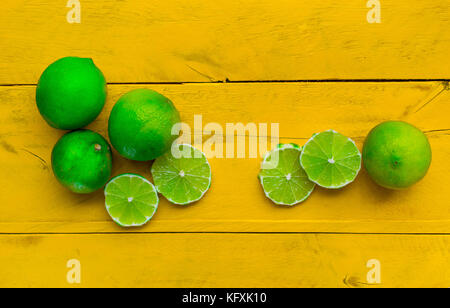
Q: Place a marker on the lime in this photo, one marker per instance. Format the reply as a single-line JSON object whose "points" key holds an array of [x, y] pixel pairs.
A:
{"points": [[140, 125], [331, 160], [71, 93], [396, 154], [82, 161], [182, 175], [131, 200], [283, 179]]}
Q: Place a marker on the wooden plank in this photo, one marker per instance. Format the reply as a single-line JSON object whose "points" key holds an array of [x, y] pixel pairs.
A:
{"points": [[32, 200], [195, 40], [225, 260]]}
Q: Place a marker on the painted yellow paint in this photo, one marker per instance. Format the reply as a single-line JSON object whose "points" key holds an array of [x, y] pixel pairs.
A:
{"points": [[225, 260], [196, 40], [204, 41], [236, 202]]}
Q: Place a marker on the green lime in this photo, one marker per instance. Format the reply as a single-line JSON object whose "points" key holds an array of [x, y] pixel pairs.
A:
{"points": [[140, 125], [396, 154], [82, 161], [71, 93], [182, 175], [131, 200], [283, 179], [331, 160]]}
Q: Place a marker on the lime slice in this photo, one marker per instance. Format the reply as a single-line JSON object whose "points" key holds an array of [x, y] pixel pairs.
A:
{"points": [[331, 160], [183, 179], [131, 200], [283, 179]]}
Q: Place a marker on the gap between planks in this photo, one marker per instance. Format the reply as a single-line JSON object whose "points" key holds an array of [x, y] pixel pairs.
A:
{"points": [[255, 81], [225, 233]]}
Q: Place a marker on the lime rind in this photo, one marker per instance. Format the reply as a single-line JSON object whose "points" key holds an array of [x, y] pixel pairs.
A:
{"points": [[270, 175], [131, 200], [281, 146], [187, 188], [331, 162]]}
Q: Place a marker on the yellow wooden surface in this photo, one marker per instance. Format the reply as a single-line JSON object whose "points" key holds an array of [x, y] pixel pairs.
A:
{"points": [[197, 40], [225, 260], [236, 201], [234, 237]]}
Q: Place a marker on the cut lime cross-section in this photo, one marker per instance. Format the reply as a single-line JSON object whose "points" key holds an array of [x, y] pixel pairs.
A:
{"points": [[331, 160], [131, 200], [283, 179], [183, 178]]}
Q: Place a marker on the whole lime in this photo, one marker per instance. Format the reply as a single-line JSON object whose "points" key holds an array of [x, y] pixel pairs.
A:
{"points": [[140, 125], [82, 161], [396, 154], [71, 93]]}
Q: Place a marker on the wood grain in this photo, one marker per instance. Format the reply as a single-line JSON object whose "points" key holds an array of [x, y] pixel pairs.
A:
{"points": [[32, 200], [225, 260], [234, 237], [203, 41]]}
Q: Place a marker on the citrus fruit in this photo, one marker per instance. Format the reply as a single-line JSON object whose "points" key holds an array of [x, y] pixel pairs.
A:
{"points": [[331, 160], [140, 125], [82, 161], [182, 180], [131, 200], [71, 93], [396, 154], [283, 179]]}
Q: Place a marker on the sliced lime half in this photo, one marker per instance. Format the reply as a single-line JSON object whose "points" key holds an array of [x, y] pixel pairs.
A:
{"points": [[283, 179], [331, 160], [182, 177], [131, 200]]}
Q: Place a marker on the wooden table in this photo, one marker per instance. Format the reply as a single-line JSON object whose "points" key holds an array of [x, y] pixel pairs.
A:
{"points": [[309, 66]]}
